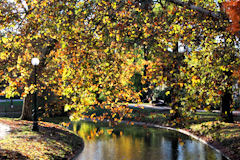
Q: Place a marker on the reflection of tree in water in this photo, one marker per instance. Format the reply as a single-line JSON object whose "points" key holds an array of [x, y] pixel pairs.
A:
{"points": [[174, 146], [147, 138], [131, 142]]}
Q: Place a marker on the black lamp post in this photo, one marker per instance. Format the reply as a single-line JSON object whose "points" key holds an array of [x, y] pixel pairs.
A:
{"points": [[35, 62]]}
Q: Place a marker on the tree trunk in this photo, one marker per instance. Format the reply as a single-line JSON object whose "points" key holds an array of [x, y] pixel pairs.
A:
{"points": [[175, 150], [27, 108], [225, 109], [227, 101], [175, 106]]}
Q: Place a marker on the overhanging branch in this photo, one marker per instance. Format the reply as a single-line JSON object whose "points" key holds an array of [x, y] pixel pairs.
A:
{"points": [[215, 15]]}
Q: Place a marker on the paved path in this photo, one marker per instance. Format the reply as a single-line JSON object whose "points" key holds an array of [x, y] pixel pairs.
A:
{"points": [[162, 108], [167, 108], [4, 130]]}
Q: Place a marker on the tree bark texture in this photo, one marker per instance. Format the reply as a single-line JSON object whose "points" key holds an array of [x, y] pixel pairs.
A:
{"points": [[27, 108], [225, 109]]}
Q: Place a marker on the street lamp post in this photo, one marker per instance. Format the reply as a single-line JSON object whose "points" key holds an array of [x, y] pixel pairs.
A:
{"points": [[35, 62]]}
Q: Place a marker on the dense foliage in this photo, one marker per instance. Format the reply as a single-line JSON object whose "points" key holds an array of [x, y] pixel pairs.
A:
{"points": [[91, 49]]}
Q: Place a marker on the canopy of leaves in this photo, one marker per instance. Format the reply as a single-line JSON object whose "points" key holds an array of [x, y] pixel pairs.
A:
{"points": [[233, 10], [88, 48]]}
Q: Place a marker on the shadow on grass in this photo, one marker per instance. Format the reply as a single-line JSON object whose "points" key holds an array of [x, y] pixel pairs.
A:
{"points": [[62, 144], [57, 143], [7, 154], [70, 139], [231, 147], [55, 157]]}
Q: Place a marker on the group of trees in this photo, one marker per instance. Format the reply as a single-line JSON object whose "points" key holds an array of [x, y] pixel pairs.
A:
{"points": [[95, 47]]}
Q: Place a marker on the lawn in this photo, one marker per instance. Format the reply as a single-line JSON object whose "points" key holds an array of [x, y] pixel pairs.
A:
{"points": [[51, 142], [224, 136]]}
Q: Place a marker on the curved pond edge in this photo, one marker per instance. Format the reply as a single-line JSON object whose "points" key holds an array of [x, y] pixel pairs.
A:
{"points": [[163, 127], [186, 133], [183, 132], [74, 157]]}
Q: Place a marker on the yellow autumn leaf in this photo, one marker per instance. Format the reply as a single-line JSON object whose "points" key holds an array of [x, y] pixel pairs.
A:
{"points": [[109, 131], [4, 39], [171, 111], [167, 93]]}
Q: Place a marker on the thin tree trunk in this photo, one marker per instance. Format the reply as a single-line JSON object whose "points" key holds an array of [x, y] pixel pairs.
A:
{"points": [[227, 101], [175, 106], [226, 113], [27, 108]]}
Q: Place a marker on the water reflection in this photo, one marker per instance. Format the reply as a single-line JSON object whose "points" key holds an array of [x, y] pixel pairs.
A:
{"points": [[137, 143]]}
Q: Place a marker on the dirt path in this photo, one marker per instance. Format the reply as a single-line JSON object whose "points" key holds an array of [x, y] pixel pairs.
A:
{"points": [[4, 129]]}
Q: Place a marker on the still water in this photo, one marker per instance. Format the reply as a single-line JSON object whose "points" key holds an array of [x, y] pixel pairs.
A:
{"points": [[139, 143]]}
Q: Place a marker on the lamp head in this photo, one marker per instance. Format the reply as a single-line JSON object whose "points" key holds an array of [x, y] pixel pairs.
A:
{"points": [[35, 61]]}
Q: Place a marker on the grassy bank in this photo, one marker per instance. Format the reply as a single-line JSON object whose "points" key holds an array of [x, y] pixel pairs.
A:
{"points": [[51, 142], [223, 136]]}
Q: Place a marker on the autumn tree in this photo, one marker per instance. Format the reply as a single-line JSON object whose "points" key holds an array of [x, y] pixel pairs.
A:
{"points": [[30, 31], [74, 59], [232, 9], [88, 48]]}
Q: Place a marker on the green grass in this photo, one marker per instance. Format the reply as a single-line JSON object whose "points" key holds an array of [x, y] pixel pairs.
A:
{"points": [[148, 115], [207, 114]]}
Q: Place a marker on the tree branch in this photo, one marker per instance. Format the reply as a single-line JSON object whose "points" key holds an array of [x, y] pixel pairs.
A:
{"points": [[215, 15]]}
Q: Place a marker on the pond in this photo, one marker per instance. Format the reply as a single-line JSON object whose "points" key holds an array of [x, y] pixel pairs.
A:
{"points": [[127, 142]]}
